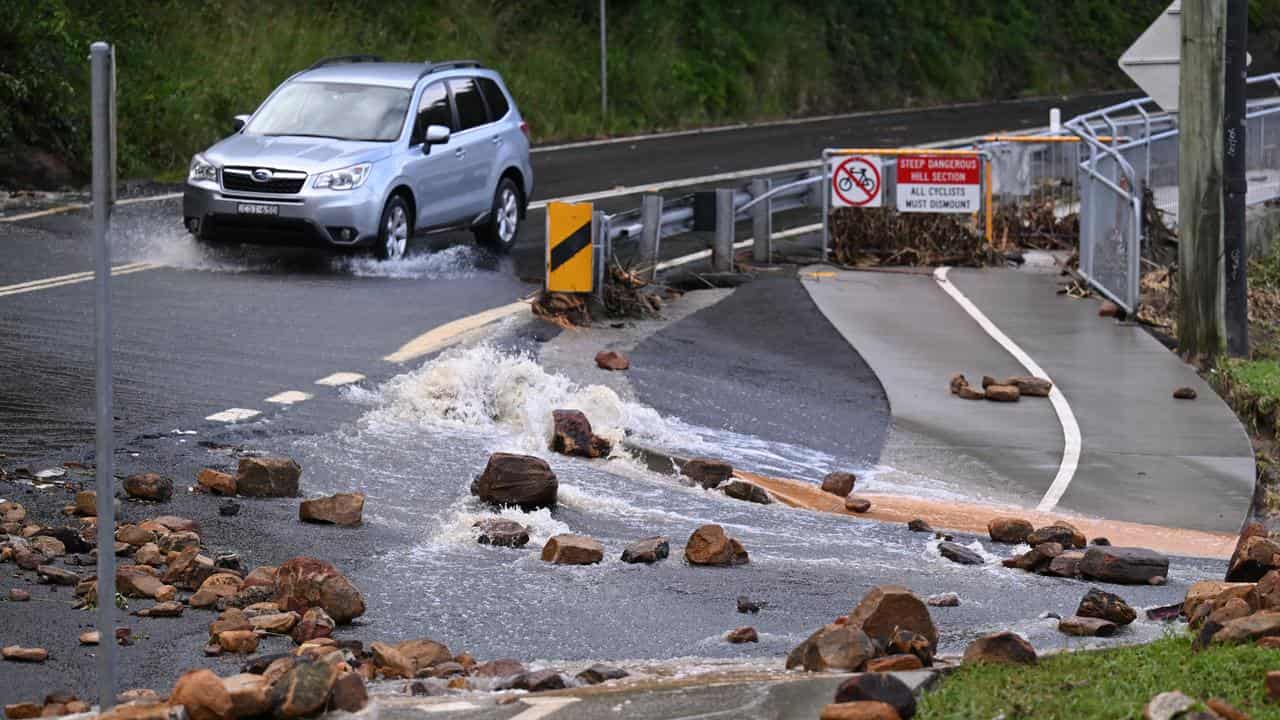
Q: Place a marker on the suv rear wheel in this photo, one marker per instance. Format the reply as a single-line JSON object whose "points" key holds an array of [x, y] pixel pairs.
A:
{"points": [[394, 230], [503, 227]]}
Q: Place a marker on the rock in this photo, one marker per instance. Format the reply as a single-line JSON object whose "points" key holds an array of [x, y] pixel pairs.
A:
{"points": [[539, 681], [1002, 393], [1124, 566], [144, 710], [230, 562], [28, 559], [649, 550], [948, 599], [50, 575], [1087, 626], [857, 504], [303, 582], [1001, 648], [839, 483], [919, 525], [169, 609], [345, 509], [750, 492], [861, 710], [19, 595], [138, 694], [1108, 309], [1010, 530], [958, 553], [520, 480], [1212, 592], [349, 693], [599, 673], [1272, 684], [1027, 385], [901, 662], [264, 576], [1184, 393], [149, 486], [255, 595], [886, 609], [268, 477], [214, 588], [229, 620], [69, 537], [833, 647], [178, 541], [17, 653], [1254, 555], [87, 503], [1101, 604], [1036, 559], [1232, 609], [390, 661], [747, 605], [22, 711], [315, 624], [501, 532], [203, 695], [424, 653], [260, 609], [218, 483], [177, 524], [150, 554], [1064, 535], [1165, 613], [303, 689], [707, 472], [709, 545], [276, 623], [134, 535], [612, 360], [1247, 629], [1224, 710], [906, 642], [878, 687], [566, 549], [742, 635], [239, 642], [230, 508], [137, 581], [572, 435], [504, 667], [1167, 705], [1066, 565], [248, 693], [960, 387]]}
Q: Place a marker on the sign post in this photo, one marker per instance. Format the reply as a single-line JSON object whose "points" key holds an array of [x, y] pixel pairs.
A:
{"points": [[102, 88]]}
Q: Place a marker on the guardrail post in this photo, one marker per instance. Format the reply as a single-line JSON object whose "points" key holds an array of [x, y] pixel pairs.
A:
{"points": [[762, 222], [650, 233], [722, 245], [600, 241]]}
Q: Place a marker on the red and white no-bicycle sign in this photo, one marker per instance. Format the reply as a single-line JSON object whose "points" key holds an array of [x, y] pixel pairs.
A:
{"points": [[855, 181]]}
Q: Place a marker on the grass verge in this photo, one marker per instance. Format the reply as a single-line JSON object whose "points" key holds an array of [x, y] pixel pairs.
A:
{"points": [[1107, 683]]}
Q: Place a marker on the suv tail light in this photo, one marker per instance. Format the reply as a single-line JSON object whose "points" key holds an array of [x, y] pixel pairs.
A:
{"points": [[524, 128]]}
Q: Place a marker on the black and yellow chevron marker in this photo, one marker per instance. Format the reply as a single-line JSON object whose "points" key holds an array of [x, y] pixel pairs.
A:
{"points": [[569, 256]]}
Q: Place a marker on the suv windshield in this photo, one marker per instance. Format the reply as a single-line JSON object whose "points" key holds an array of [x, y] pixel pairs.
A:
{"points": [[334, 110]]}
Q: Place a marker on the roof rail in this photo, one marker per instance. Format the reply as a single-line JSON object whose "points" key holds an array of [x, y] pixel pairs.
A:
{"points": [[443, 65], [344, 60]]}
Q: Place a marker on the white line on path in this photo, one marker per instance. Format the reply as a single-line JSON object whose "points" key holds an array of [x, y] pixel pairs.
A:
{"points": [[543, 707], [233, 415], [72, 279], [289, 397], [1070, 428], [340, 378]]}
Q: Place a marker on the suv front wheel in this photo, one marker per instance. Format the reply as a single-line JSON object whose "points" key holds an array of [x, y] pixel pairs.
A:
{"points": [[500, 232], [394, 230]]}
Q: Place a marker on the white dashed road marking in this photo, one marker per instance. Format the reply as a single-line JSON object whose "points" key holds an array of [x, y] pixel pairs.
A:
{"points": [[340, 378], [289, 397], [233, 415], [542, 707], [71, 279]]}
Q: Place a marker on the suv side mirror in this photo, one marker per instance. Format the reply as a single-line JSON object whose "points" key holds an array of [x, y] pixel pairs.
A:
{"points": [[239, 121], [436, 135]]}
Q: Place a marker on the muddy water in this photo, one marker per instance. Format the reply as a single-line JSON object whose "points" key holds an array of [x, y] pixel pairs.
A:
{"points": [[424, 435]]}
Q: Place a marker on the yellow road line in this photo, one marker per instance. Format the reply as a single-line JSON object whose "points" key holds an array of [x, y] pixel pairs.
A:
{"points": [[72, 279], [444, 335]]}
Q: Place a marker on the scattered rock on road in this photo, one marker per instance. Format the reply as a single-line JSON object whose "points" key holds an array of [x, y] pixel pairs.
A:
{"points": [[612, 360], [599, 673], [839, 483], [1009, 530], [1087, 626], [50, 575], [857, 504], [1028, 385], [303, 583], [343, 509], [900, 662], [948, 599], [230, 508], [879, 687], [572, 435], [709, 545], [87, 503], [707, 472], [522, 481], [1184, 393], [268, 477], [149, 486], [887, 609], [218, 483], [749, 492], [1124, 566], [315, 624], [1002, 393], [19, 595], [202, 693], [303, 689], [742, 635], [1036, 559], [1002, 648], [958, 553], [566, 549], [833, 647], [1108, 309], [501, 532], [1098, 603], [1066, 565], [747, 605], [17, 653], [919, 525], [649, 550], [1063, 533]]}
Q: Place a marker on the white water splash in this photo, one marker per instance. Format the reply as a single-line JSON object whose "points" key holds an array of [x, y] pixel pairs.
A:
{"points": [[455, 262]]}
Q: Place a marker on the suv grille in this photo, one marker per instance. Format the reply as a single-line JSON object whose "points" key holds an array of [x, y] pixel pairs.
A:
{"points": [[280, 182]]}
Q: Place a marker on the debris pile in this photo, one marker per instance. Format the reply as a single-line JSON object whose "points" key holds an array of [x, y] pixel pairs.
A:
{"points": [[870, 237]]}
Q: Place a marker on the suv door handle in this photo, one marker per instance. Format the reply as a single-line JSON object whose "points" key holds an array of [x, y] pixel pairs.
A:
{"points": [[460, 152], [497, 139]]}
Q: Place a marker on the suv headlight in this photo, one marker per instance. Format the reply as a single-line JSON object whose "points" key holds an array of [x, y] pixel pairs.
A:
{"points": [[202, 170], [348, 178]]}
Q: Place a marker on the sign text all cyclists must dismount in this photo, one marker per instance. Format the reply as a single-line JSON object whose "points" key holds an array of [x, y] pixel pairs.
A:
{"points": [[939, 183]]}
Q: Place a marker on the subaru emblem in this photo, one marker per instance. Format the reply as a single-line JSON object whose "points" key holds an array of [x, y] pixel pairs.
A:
{"points": [[261, 175]]}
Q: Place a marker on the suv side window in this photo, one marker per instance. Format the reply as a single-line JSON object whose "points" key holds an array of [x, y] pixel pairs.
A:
{"points": [[471, 108], [433, 110], [498, 106]]}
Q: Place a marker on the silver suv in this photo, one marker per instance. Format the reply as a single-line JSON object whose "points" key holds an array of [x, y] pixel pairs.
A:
{"points": [[356, 152]]}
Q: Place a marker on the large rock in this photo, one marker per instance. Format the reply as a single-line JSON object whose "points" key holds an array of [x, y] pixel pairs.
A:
{"points": [[519, 480], [345, 509], [750, 492], [70, 538], [1254, 556], [612, 360], [303, 689], [839, 483], [149, 486], [315, 624], [1107, 606], [1087, 626], [203, 695], [188, 569], [1001, 648], [1036, 559], [566, 549], [707, 472], [424, 653], [957, 553], [215, 587], [887, 609], [1010, 530], [501, 532], [238, 642], [833, 647], [218, 483], [178, 541], [1214, 593], [248, 694], [1124, 566], [878, 687], [137, 581], [349, 693], [572, 435], [390, 662], [1060, 532], [648, 550], [87, 503], [709, 545], [268, 477], [303, 583], [48, 546], [1066, 565], [1247, 629], [275, 623]]}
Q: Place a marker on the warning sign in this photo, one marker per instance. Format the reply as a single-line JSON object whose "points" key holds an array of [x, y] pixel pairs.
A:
{"points": [[855, 181], [569, 257], [939, 183]]}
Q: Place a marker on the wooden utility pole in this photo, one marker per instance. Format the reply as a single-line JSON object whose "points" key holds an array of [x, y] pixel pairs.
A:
{"points": [[1201, 320]]}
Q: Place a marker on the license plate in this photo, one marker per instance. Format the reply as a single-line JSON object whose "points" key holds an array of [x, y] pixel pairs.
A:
{"points": [[255, 209]]}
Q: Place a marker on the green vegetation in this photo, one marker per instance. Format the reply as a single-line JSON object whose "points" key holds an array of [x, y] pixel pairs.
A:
{"points": [[185, 67], [1106, 684]]}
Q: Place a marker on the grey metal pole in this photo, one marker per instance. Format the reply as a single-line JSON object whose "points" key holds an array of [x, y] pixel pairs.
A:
{"points": [[650, 233], [599, 237], [1235, 180], [102, 85], [762, 222], [604, 67], [722, 245]]}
